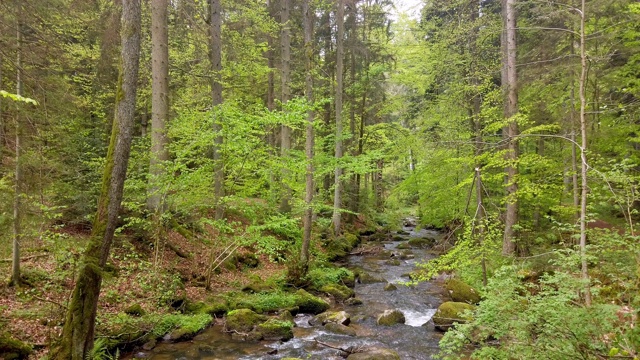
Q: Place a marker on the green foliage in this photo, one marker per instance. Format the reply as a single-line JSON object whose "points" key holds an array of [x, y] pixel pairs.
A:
{"points": [[321, 276], [535, 320]]}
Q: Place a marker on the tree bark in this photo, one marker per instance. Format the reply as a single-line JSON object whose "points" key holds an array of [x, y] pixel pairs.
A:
{"points": [[17, 197], [583, 156], [159, 102], [308, 198], [285, 141], [77, 335], [216, 97], [337, 195], [511, 109]]}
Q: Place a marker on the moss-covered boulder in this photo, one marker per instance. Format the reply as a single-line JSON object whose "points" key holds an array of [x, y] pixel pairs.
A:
{"points": [[461, 292], [134, 310], [450, 313], [337, 317], [390, 317], [375, 354], [366, 278], [285, 315], [403, 246], [393, 262], [390, 287], [338, 291], [12, 349], [354, 301], [422, 243], [310, 304], [340, 329], [243, 320], [275, 329]]}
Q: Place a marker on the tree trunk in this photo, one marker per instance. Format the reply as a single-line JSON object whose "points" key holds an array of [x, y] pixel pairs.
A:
{"points": [[216, 97], [17, 197], [308, 198], [159, 102], [511, 108], [337, 195], [285, 141], [583, 156], [77, 334]]}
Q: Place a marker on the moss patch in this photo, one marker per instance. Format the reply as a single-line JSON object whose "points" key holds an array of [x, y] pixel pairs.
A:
{"points": [[391, 317], [243, 320], [11, 348], [461, 292], [274, 329], [339, 292], [310, 304], [450, 313]]}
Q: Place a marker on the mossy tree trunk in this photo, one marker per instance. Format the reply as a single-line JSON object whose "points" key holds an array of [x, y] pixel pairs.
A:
{"points": [[285, 141], [215, 49], [337, 194], [77, 336]]}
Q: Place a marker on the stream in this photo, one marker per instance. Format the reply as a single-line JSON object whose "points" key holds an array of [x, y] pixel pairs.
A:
{"points": [[416, 339]]}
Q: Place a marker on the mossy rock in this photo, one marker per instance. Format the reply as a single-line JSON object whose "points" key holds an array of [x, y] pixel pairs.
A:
{"points": [[353, 301], [461, 292], [134, 310], [349, 279], [375, 354], [243, 320], [11, 348], [310, 304], [352, 240], [404, 246], [286, 315], [393, 262], [366, 278], [275, 329], [247, 260], [338, 317], [255, 287], [379, 237], [339, 292], [450, 313], [390, 287], [391, 317], [422, 243], [340, 329]]}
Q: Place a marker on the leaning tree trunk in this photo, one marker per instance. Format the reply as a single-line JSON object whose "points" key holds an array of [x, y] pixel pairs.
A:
{"points": [[511, 108], [159, 102], [77, 335], [337, 194], [216, 96], [17, 197], [308, 198]]}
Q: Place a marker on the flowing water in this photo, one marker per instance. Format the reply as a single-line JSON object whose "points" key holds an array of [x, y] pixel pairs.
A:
{"points": [[416, 339]]}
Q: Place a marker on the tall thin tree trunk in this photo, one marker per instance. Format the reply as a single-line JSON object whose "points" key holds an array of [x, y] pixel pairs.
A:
{"points": [[511, 108], [583, 156], [216, 97], [17, 197], [77, 334], [159, 102], [2, 135], [285, 141], [308, 198], [337, 195]]}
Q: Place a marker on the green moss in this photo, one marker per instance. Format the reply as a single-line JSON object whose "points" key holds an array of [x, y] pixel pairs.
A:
{"points": [[310, 304], [11, 348], [390, 287], [450, 313], [390, 317], [421, 242], [339, 292], [461, 292], [274, 329], [340, 329], [243, 320], [321, 276], [134, 310]]}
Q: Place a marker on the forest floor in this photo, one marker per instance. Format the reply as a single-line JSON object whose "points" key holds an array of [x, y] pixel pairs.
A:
{"points": [[34, 312]]}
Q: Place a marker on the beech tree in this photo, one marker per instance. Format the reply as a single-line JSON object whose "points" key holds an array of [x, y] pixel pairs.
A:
{"points": [[79, 327]]}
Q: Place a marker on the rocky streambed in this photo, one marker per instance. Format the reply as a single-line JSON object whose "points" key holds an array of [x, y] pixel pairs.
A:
{"points": [[361, 330]]}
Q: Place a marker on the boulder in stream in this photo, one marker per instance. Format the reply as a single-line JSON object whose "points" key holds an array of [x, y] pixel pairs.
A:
{"points": [[375, 354], [243, 320], [354, 301], [340, 329], [423, 243], [310, 304], [450, 313], [336, 317], [461, 292], [391, 317], [274, 329], [390, 287], [366, 278], [338, 291]]}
